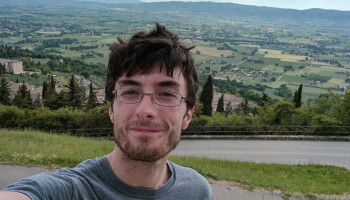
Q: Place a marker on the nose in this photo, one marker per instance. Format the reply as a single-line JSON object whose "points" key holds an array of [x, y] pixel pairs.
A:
{"points": [[146, 108]]}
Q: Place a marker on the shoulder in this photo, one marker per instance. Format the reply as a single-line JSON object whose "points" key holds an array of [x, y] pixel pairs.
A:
{"points": [[190, 179], [187, 173], [55, 184]]}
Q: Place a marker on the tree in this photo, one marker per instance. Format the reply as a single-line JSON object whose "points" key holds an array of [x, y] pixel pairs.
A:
{"points": [[50, 97], [228, 109], [207, 96], [220, 107], [52, 85], [22, 98], [2, 69], [4, 92], [37, 103], [92, 99], [75, 96], [45, 90], [244, 107], [264, 100], [198, 109], [297, 97], [283, 111]]}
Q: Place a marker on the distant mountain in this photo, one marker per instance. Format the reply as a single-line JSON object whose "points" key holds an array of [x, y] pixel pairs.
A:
{"points": [[223, 11], [312, 17], [115, 1]]}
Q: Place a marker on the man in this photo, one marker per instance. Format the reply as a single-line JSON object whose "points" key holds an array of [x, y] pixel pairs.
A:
{"points": [[151, 85]]}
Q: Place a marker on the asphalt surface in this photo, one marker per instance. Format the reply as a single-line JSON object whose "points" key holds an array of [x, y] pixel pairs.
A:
{"points": [[336, 153]]}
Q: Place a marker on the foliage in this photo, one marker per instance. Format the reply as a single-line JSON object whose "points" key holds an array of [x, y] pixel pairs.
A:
{"points": [[92, 99], [297, 96], [220, 106], [4, 92], [244, 108], [75, 96], [198, 109], [45, 90], [23, 99], [51, 120], [206, 96], [283, 91], [265, 99]]}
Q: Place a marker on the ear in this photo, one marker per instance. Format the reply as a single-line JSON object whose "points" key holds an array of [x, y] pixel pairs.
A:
{"points": [[187, 119], [111, 114]]}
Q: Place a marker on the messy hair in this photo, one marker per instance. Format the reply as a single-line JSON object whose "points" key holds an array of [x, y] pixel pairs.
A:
{"points": [[143, 50]]}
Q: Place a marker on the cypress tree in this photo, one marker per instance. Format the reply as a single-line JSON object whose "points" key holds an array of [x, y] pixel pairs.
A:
{"points": [[92, 99], [50, 96], [207, 97], [52, 86], [75, 96], [2, 69], [45, 90], [5, 92], [297, 96], [220, 107]]}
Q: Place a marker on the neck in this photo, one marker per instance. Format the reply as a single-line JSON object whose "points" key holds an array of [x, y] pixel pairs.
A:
{"points": [[151, 175]]}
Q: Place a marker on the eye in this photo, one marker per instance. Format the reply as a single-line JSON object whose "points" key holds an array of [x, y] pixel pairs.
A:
{"points": [[166, 94], [129, 92]]}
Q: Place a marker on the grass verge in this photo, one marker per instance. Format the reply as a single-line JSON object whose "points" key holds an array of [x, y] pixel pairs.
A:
{"points": [[35, 148]]}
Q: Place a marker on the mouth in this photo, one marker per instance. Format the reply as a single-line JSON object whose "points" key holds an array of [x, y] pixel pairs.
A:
{"points": [[146, 130]]}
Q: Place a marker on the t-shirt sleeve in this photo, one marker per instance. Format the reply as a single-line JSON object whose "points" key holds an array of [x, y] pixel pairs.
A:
{"points": [[44, 186]]}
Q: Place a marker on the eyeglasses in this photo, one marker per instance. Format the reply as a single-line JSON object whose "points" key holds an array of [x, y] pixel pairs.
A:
{"points": [[165, 98]]}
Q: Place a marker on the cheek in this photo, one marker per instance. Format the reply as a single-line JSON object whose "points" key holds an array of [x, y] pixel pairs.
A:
{"points": [[175, 116], [122, 113]]}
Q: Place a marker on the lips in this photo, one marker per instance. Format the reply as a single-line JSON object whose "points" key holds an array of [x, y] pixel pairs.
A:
{"points": [[145, 130], [146, 127]]}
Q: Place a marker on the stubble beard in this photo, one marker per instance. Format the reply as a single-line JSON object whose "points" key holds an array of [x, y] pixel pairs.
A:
{"points": [[143, 149]]}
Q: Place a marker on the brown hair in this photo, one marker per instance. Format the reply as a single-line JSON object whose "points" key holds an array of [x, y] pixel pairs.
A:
{"points": [[145, 49]]}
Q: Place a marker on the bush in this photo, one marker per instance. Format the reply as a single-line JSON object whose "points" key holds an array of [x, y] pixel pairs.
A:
{"points": [[11, 116]]}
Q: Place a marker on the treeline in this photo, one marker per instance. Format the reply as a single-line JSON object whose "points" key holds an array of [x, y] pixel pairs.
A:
{"points": [[329, 115], [55, 63], [52, 120], [55, 43], [237, 88], [74, 97], [78, 48]]}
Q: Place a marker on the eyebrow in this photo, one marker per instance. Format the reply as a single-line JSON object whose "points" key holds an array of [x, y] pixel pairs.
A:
{"points": [[129, 82], [168, 83], [161, 84]]}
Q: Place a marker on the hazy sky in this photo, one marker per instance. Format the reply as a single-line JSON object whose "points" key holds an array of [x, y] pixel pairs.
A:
{"points": [[295, 4]]}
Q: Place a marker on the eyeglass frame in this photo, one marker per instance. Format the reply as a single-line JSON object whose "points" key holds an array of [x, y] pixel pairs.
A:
{"points": [[114, 93]]}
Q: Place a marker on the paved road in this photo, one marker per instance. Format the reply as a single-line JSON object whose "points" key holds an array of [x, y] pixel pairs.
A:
{"points": [[290, 152]]}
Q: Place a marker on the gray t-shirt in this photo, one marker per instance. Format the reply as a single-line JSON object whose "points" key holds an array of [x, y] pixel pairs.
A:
{"points": [[95, 179]]}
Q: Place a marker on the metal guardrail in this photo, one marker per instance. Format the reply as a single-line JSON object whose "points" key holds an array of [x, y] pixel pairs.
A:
{"points": [[268, 130], [92, 132], [230, 130]]}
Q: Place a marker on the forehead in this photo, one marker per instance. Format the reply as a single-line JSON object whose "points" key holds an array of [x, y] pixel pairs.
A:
{"points": [[155, 77]]}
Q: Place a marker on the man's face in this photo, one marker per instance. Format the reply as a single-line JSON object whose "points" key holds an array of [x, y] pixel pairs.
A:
{"points": [[146, 131]]}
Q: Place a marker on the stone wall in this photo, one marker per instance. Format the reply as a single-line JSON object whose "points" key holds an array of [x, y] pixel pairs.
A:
{"points": [[12, 66]]}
